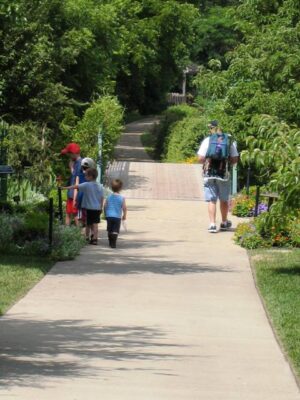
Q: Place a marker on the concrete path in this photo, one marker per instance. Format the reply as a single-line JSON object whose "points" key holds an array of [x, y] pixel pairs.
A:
{"points": [[172, 314]]}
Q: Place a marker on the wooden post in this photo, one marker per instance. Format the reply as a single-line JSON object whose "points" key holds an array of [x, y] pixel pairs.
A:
{"points": [[60, 208], [248, 181], [257, 201], [50, 222]]}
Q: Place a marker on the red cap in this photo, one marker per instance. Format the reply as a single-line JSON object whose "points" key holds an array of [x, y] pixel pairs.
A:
{"points": [[72, 148]]}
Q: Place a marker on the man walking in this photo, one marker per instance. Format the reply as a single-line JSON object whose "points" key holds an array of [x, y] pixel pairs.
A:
{"points": [[217, 153]]}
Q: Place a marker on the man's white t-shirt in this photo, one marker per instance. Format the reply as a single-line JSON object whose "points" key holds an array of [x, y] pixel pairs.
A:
{"points": [[205, 145]]}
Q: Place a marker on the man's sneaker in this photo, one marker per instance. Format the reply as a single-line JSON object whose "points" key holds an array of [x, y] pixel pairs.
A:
{"points": [[225, 225], [212, 229]]}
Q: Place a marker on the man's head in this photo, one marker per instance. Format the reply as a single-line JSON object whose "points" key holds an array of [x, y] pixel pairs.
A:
{"points": [[72, 150], [91, 174], [213, 126]]}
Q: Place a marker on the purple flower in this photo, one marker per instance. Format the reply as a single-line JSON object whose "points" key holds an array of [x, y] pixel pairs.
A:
{"points": [[262, 207]]}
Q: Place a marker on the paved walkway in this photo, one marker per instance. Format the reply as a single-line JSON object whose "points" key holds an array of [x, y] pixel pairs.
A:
{"points": [[172, 314]]}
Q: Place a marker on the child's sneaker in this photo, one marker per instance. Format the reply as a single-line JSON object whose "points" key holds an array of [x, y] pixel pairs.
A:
{"points": [[225, 225], [212, 229]]}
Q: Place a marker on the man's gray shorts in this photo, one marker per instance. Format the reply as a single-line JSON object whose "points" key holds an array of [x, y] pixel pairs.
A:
{"points": [[215, 189]]}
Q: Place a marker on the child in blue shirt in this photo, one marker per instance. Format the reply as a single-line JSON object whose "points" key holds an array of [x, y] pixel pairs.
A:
{"points": [[92, 201], [115, 211]]}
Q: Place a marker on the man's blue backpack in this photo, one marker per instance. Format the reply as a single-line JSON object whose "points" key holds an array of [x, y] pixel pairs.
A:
{"points": [[219, 146], [217, 157]]}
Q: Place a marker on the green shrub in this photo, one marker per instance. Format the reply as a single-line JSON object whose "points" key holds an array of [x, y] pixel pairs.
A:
{"points": [[7, 224], [67, 242], [185, 137], [106, 114], [294, 230], [170, 117], [37, 247]]}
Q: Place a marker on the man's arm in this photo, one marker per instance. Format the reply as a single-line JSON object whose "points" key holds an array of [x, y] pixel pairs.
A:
{"points": [[201, 159], [203, 150], [234, 154], [234, 160]]}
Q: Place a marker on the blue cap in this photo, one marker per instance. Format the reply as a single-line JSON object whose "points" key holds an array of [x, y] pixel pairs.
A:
{"points": [[213, 124]]}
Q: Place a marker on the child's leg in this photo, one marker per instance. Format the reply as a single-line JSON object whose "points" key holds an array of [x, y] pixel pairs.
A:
{"points": [[114, 237], [95, 231], [87, 231], [68, 220], [76, 220]]}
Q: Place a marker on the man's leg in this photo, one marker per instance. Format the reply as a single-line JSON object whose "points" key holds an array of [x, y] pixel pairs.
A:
{"points": [[212, 212], [224, 207], [211, 195], [224, 191]]}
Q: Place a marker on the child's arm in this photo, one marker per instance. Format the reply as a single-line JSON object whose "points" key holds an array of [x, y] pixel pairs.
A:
{"points": [[124, 208], [68, 187], [101, 202]]}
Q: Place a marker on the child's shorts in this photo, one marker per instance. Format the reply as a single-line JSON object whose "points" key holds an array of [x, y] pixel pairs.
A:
{"points": [[92, 217], [70, 209], [113, 224]]}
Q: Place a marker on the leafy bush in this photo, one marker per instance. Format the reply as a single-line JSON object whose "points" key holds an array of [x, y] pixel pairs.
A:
{"points": [[105, 114], [294, 229], [7, 224], [67, 242], [27, 234], [37, 247], [185, 137], [170, 117]]}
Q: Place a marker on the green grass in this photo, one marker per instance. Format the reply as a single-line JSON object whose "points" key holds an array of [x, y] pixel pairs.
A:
{"points": [[18, 274], [148, 140], [278, 279]]}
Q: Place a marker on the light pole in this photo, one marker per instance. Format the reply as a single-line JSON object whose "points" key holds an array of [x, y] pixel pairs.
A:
{"points": [[99, 158], [5, 170]]}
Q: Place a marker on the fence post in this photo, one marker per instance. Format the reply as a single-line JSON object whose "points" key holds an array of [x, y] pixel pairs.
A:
{"points": [[50, 222], [256, 201], [234, 180], [99, 159], [248, 181], [60, 208]]}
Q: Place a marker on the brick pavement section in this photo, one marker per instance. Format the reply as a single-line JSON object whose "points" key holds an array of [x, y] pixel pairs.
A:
{"points": [[144, 180]]}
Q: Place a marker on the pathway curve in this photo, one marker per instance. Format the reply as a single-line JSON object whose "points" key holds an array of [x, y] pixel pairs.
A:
{"points": [[172, 314]]}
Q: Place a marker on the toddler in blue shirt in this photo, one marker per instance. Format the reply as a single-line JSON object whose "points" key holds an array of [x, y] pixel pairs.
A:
{"points": [[115, 210]]}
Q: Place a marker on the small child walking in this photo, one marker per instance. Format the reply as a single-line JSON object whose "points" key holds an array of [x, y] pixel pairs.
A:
{"points": [[93, 203], [115, 211]]}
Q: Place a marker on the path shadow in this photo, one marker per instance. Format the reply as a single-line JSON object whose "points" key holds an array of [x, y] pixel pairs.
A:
{"points": [[108, 261], [32, 349], [288, 271]]}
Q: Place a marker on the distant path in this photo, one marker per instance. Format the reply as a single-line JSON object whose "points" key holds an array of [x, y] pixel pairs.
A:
{"points": [[130, 147], [172, 314]]}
